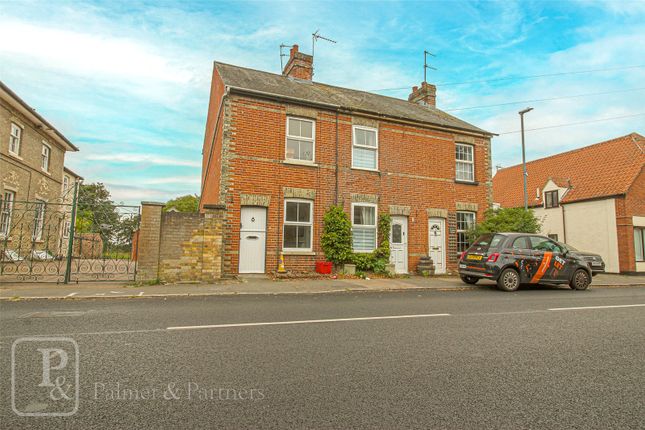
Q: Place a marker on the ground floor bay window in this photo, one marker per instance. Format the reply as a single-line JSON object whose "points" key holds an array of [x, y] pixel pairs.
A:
{"points": [[364, 227], [298, 225], [465, 222]]}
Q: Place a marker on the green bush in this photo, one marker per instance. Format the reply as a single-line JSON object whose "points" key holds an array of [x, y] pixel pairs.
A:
{"points": [[336, 242], [336, 239], [506, 220]]}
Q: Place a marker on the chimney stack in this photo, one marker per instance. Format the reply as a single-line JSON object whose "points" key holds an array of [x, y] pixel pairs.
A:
{"points": [[425, 96], [300, 66]]}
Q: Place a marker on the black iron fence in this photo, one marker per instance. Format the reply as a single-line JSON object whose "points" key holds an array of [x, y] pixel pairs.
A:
{"points": [[67, 242]]}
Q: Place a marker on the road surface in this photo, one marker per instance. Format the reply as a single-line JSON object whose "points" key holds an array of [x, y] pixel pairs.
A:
{"points": [[540, 358]]}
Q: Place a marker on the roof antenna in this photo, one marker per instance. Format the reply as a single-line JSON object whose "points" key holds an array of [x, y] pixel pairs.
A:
{"points": [[314, 37], [426, 66], [282, 55]]}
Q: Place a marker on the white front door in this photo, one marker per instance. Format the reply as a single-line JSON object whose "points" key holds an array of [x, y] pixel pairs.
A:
{"points": [[399, 244], [253, 231], [437, 243]]}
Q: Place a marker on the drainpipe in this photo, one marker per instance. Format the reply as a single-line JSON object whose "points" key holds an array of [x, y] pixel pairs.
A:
{"points": [[564, 226], [337, 166]]}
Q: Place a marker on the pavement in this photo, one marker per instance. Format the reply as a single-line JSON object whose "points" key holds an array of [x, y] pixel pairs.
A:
{"points": [[263, 285], [480, 358]]}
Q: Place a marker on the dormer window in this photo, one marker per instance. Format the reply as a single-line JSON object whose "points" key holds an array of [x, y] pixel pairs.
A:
{"points": [[551, 199]]}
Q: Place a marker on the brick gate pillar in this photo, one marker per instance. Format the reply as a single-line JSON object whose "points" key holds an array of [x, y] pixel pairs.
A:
{"points": [[149, 239], [213, 244]]}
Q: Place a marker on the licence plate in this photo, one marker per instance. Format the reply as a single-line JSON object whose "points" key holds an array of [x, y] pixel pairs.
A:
{"points": [[596, 264], [462, 266], [474, 257]]}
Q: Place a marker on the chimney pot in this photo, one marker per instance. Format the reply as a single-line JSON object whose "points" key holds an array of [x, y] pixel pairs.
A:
{"points": [[300, 66], [425, 96]]}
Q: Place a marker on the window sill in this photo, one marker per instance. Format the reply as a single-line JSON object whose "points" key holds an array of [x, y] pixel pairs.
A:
{"points": [[365, 169], [47, 172], [300, 163], [363, 252], [16, 156], [459, 181], [309, 253]]}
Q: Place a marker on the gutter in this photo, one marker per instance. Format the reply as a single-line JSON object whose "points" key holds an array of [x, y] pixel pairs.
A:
{"points": [[339, 108]]}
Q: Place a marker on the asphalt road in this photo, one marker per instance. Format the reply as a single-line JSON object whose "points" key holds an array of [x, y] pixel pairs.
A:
{"points": [[463, 359]]}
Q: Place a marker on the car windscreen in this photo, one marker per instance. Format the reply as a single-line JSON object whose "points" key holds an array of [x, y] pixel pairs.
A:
{"points": [[488, 241]]}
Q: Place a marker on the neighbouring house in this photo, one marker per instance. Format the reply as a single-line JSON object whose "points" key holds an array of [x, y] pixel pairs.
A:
{"points": [[592, 198], [280, 149], [34, 184]]}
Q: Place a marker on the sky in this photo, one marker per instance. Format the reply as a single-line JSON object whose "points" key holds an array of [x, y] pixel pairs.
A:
{"points": [[128, 82]]}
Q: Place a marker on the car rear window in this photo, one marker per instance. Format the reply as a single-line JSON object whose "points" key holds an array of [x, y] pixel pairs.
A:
{"points": [[489, 241]]}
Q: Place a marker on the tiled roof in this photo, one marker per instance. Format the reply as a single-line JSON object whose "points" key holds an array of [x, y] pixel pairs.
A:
{"points": [[308, 91], [604, 169]]}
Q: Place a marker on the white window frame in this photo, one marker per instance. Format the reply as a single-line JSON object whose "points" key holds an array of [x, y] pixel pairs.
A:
{"points": [[309, 224], [48, 158], [306, 139], [6, 212], [471, 162], [375, 226], [372, 148], [474, 214], [39, 220], [639, 231], [15, 140], [65, 184]]}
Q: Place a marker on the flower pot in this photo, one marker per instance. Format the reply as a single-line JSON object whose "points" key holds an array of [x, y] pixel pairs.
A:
{"points": [[349, 269]]}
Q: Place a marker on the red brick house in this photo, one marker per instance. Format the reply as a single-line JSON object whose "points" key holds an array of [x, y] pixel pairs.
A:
{"points": [[592, 198], [280, 149]]}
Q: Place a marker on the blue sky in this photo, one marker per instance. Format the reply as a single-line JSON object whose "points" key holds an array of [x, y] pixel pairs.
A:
{"points": [[128, 82]]}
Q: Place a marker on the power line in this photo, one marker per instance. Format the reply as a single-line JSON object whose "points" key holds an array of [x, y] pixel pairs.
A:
{"points": [[575, 123], [444, 84], [547, 99]]}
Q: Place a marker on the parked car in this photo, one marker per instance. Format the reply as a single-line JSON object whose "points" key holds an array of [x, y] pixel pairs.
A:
{"points": [[512, 259], [595, 261]]}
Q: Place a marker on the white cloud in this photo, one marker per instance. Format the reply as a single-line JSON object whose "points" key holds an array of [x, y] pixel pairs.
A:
{"points": [[143, 158]]}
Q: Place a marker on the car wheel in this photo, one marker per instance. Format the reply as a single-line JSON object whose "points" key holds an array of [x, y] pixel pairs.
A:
{"points": [[469, 279], [580, 280], [509, 280]]}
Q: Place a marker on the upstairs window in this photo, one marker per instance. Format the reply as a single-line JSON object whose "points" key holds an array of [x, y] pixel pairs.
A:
{"points": [[551, 199], [365, 148], [301, 143], [363, 227], [465, 223], [465, 157], [46, 153], [6, 206], [14, 139], [298, 225]]}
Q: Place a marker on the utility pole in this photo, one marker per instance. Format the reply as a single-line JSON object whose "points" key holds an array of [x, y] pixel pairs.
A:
{"points": [[526, 196]]}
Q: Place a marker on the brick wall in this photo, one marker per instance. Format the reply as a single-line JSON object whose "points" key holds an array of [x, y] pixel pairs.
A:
{"points": [[416, 169], [633, 204], [180, 247]]}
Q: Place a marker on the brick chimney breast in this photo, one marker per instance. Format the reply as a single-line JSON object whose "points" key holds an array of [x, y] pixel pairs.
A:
{"points": [[426, 95], [299, 66]]}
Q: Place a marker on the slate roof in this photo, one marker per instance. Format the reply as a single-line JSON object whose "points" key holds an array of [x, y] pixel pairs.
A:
{"points": [[314, 92], [601, 170]]}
